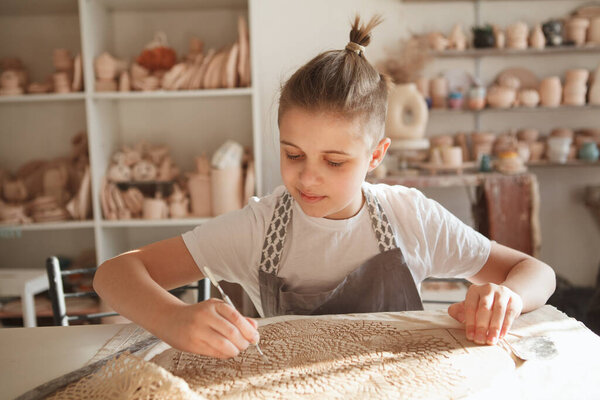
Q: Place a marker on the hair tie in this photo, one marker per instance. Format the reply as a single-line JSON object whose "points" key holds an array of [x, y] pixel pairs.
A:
{"points": [[357, 48]]}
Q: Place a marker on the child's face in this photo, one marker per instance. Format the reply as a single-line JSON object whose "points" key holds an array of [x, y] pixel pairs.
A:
{"points": [[324, 161]]}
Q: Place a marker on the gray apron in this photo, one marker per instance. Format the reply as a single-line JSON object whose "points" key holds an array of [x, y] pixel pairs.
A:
{"points": [[382, 283]]}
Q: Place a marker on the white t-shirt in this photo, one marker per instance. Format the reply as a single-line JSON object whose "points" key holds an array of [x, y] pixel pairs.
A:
{"points": [[319, 253]]}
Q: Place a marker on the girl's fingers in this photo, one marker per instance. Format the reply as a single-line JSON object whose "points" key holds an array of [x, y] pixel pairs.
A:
{"points": [[497, 320], [483, 315], [471, 302], [247, 330], [252, 322], [457, 311], [224, 347], [513, 310]]}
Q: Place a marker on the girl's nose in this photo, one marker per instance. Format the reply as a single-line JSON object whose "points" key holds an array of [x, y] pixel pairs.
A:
{"points": [[309, 175]]}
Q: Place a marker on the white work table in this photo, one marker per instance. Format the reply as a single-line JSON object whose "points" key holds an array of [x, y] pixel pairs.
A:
{"points": [[31, 357]]}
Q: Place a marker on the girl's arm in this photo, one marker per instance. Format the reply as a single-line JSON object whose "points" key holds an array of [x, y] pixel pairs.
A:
{"points": [[510, 282], [135, 285]]}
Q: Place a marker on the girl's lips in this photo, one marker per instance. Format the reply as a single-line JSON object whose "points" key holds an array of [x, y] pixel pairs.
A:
{"points": [[309, 198]]}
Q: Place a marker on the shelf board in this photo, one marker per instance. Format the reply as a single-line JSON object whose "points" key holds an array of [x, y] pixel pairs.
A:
{"points": [[38, 7], [571, 163], [476, 53], [172, 94], [144, 223], [171, 5], [48, 226], [448, 111], [48, 97]]}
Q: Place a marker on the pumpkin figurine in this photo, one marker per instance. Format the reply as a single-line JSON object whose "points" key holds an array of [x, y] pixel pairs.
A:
{"points": [[157, 55]]}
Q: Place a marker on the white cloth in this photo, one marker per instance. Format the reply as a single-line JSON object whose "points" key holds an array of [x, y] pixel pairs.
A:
{"points": [[318, 252]]}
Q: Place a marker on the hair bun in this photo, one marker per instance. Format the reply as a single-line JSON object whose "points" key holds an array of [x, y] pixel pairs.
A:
{"points": [[361, 34]]}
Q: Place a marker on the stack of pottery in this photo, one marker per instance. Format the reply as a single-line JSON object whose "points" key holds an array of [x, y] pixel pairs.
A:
{"points": [[576, 30], [516, 36], [551, 92], [559, 148], [482, 143], [529, 137], [575, 90]]}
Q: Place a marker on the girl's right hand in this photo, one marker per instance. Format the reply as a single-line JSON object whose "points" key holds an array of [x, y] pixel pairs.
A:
{"points": [[212, 328]]}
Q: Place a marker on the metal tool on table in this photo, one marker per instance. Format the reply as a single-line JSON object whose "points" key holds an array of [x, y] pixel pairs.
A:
{"points": [[227, 300], [533, 347]]}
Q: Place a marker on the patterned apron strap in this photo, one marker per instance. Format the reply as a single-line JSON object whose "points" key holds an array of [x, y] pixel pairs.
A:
{"points": [[275, 237], [380, 223]]}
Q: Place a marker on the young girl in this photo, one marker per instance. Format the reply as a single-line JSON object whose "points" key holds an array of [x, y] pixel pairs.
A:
{"points": [[327, 241]]}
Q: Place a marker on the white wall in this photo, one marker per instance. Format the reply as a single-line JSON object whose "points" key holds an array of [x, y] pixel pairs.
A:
{"points": [[289, 33]]}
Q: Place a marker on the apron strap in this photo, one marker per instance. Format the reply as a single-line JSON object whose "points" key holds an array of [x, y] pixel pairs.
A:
{"points": [[275, 237], [380, 223]]}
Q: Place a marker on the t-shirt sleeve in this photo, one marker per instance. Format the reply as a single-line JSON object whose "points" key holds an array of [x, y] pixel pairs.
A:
{"points": [[438, 242], [227, 244]]}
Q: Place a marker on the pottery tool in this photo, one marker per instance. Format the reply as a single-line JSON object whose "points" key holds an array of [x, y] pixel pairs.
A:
{"points": [[533, 347], [227, 300]]}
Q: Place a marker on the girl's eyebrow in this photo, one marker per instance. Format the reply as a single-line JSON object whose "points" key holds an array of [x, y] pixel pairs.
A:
{"points": [[326, 151]]}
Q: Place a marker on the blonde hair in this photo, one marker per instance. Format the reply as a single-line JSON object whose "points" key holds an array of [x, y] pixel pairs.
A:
{"points": [[342, 82]]}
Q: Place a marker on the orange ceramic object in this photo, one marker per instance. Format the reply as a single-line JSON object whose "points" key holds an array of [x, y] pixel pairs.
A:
{"points": [[158, 58]]}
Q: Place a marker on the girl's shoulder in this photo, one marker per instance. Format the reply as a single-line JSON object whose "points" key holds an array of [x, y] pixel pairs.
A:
{"points": [[265, 205], [396, 194]]}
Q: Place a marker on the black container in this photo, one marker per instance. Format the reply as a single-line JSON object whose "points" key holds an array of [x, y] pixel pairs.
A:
{"points": [[483, 37]]}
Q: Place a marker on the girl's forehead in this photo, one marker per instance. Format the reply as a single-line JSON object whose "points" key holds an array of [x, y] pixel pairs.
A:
{"points": [[320, 128]]}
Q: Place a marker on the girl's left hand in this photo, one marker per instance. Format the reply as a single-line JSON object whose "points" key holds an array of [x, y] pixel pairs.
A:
{"points": [[488, 312]]}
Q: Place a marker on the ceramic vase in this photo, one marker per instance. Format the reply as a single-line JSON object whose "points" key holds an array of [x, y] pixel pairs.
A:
{"points": [[439, 92], [589, 152], [477, 98], [594, 31], [501, 97], [553, 30], [594, 92], [536, 150], [550, 92], [537, 40], [226, 190], [574, 92], [577, 30], [516, 36], [558, 149], [407, 113], [199, 188]]}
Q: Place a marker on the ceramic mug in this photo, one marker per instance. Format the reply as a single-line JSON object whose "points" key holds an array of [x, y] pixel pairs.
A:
{"points": [[452, 156]]}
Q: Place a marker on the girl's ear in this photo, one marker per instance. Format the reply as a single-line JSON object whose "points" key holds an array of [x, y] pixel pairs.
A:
{"points": [[379, 153]]}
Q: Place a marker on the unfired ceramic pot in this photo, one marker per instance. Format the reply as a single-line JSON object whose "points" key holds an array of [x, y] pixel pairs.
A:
{"points": [[439, 91], [452, 156], [550, 92], [575, 90], [516, 35], [594, 31], [577, 30], [501, 97], [537, 40], [106, 67], [477, 98], [528, 135], [528, 97], [226, 189], [594, 93], [155, 209], [536, 150]]}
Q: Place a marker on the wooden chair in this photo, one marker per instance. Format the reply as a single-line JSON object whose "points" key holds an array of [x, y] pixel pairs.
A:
{"points": [[58, 295]]}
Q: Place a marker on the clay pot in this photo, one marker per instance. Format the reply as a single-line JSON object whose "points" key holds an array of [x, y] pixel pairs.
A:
{"points": [[558, 149], [439, 92], [477, 98], [106, 67], [226, 190], [456, 100], [441, 141], [578, 76], [562, 133], [577, 30], [550, 92], [62, 60], [516, 35], [452, 156], [200, 195], [537, 40], [528, 97], [501, 97], [483, 37], [483, 137], [589, 152], [500, 38], [594, 92], [528, 135], [155, 209], [594, 31], [536, 150]]}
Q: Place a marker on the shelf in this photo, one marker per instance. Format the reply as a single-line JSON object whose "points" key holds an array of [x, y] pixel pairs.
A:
{"points": [[172, 94], [37, 7], [36, 98], [448, 111], [572, 163], [143, 223], [476, 53], [48, 226], [171, 5]]}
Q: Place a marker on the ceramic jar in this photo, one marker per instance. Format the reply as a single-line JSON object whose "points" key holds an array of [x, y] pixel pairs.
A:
{"points": [[563, 133], [441, 141], [483, 37], [226, 189], [589, 152], [62, 60], [551, 92], [575, 90], [558, 149], [537, 40], [501, 97], [106, 67], [594, 93], [456, 100], [500, 38], [516, 36], [536, 150], [452, 156], [528, 97], [439, 92], [553, 30], [155, 209], [576, 30], [528, 135], [594, 31], [483, 143], [477, 98]]}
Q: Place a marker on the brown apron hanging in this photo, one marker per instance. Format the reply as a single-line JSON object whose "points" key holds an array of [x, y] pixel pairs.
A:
{"points": [[382, 283]]}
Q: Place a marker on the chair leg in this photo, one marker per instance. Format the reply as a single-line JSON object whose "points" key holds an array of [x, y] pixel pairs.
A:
{"points": [[57, 294]]}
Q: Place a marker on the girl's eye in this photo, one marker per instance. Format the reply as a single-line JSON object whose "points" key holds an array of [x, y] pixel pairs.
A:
{"points": [[293, 156], [335, 164]]}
